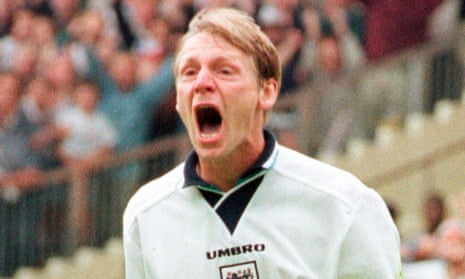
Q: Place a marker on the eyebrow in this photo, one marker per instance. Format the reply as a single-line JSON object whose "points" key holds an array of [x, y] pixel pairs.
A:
{"points": [[220, 59]]}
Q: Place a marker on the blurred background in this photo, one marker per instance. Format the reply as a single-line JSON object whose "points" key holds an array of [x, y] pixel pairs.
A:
{"points": [[87, 116]]}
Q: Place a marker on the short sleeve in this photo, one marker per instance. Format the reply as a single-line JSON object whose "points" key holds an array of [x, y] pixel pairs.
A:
{"points": [[134, 264], [371, 248]]}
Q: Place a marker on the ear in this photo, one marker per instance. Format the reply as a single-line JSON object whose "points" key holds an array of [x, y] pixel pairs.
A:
{"points": [[268, 94]]}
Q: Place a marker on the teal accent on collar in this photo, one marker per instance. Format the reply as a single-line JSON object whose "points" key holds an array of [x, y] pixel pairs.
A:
{"points": [[263, 163]]}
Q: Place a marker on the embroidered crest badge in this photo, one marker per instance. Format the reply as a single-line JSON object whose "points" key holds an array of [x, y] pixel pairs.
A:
{"points": [[246, 270]]}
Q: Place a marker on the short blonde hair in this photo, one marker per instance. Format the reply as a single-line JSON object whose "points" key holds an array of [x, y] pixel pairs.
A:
{"points": [[240, 30]]}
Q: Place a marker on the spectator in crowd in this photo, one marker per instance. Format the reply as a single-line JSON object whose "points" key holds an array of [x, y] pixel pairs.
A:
{"points": [[41, 106], [311, 21], [86, 26], [24, 61], [334, 116], [154, 48], [124, 98], [334, 20], [130, 91], [21, 27], [330, 52], [61, 74], [21, 211], [129, 105], [44, 38], [140, 14], [107, 12], [88, 30], [88, 139], [88, 134], [128, 102], [451, 247], [439, 252], [280, 23], [434, 212], [424, 246]]}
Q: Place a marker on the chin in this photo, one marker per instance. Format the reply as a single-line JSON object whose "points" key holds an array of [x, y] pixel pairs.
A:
{"points": [[209, 152]]}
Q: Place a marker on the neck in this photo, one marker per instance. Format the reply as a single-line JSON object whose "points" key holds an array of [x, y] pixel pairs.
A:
{"points": [[224, 172]]}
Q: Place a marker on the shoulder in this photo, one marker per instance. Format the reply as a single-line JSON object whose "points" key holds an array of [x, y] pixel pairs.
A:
{"points": [[313, 175], [152, 193]]}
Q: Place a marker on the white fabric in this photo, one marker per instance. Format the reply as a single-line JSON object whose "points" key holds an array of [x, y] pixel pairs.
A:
{"points": [[429, 269], [306, 220]]}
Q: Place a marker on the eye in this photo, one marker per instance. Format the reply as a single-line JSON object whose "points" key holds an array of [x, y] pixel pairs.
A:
{"points": [[226, 70], [188, 72]]}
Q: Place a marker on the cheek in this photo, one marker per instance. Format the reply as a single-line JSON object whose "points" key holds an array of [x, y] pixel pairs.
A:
{"points": [[243, 106], [180, 107], [182, 104]]}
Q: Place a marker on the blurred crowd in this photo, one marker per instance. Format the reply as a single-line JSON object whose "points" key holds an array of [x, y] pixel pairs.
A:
{"points": [[82, 80], [438, 249]]}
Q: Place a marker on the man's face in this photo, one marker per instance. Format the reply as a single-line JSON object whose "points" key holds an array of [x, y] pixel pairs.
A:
{"points": [[123, 71], [218, 96], [86, 98], [330, 56]]}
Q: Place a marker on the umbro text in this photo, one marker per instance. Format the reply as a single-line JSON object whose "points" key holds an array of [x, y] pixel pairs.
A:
{"points": [[234, 251]]}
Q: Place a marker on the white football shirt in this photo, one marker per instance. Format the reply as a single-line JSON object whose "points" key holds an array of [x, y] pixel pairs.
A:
{"points": [[289, 217]]}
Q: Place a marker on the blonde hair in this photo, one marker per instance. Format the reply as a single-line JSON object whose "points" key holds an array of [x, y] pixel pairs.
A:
{"points": [[240, 30]]}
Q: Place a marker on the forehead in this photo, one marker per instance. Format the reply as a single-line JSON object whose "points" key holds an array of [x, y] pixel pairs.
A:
{"points": [[207, 46]]}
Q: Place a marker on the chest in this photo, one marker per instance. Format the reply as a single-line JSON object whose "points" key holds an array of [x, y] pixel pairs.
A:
{"points": [[279, 234]]}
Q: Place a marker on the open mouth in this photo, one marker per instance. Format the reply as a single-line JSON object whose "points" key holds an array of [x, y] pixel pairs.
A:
{"points": [[209, 120]]}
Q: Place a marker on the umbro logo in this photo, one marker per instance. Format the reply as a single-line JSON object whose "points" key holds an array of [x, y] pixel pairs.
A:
{"points": [[234, 251]]}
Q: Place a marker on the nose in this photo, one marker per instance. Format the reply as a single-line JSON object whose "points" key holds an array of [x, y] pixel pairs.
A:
{"points": [[204, 82]]}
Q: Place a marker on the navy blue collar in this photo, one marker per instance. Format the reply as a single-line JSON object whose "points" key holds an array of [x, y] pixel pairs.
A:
{"points": [[191, 178]]}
